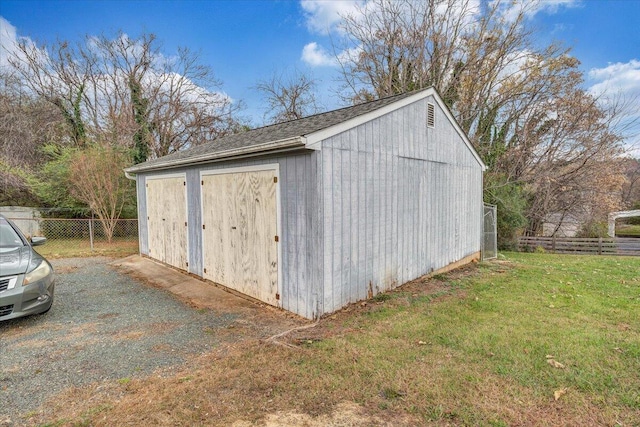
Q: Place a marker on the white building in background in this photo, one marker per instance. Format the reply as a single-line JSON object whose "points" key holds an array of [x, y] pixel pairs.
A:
{"points": [[23, 217]]}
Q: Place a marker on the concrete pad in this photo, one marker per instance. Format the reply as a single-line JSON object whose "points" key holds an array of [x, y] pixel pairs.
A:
{"points": [[205, 295]]}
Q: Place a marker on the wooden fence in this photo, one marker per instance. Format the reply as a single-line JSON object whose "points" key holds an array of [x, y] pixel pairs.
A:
{"points": [[574, 245]]}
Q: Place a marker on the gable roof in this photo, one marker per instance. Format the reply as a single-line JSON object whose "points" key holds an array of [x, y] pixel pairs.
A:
{"points": [[302, 133]]}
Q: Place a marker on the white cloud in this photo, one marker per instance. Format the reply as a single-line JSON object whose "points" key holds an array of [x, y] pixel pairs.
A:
{"points": [[8, 40], [530, 8], [323, 16], [350, 55], [618, 77], [316, 56], [550, 6], [620, 82]]}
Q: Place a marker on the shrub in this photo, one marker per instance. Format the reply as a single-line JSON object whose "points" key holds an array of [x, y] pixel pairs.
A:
{"points": [[510, 199], [593, 229]]}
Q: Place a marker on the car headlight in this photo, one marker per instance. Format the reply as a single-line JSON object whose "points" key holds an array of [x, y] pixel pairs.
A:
{"points": [[38, 273]]}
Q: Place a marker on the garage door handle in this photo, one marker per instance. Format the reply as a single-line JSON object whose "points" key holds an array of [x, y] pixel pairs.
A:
{"points": [[233, 228]]}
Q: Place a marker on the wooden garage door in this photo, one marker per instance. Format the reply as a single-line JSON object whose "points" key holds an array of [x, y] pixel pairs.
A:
{"points": [[239, 232], [167, 220]]}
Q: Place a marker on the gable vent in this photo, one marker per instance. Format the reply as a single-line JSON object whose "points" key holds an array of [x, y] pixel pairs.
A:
{"points": [[431, 115]]}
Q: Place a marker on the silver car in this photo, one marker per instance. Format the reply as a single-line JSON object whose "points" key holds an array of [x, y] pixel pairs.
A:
{"points": [[26, 278]]}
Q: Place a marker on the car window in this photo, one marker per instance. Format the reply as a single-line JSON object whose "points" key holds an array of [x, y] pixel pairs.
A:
{"points": [[8, 236]]}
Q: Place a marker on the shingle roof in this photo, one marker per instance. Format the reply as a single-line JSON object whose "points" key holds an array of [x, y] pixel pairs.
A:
{"points": [[267, 134]]}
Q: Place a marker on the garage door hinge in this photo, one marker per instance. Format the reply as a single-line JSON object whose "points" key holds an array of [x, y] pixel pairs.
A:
{"points": [[203, 226], [277, 297], [205, 270], [187, 264], [184, 182], [185, 223], [275, 179], [277, 239], [202, 182], [147, 185]]}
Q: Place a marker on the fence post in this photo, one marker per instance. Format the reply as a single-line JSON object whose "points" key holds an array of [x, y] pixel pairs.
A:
{"points": [[599, 245], [553, 245], [91, 234]]}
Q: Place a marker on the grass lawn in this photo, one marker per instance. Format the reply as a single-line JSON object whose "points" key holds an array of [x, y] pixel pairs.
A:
{"points": [[67, 248], [628, 230], [530, 339]]}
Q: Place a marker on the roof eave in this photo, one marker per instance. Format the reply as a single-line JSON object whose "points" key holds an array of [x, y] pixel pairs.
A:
{"points": [[254, 150]]}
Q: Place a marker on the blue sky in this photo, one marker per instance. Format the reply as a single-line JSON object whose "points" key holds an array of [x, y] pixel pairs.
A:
{"points": [[247, 41]]}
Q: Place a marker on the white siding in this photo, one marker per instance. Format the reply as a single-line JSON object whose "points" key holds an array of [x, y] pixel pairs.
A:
{"points": [[400, 200]]}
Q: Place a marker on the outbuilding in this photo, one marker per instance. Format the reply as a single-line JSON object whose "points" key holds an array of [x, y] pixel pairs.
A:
{"points": [[313, 214]]}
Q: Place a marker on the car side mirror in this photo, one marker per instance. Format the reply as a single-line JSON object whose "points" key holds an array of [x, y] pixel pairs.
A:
{"points": [[37, 241]]}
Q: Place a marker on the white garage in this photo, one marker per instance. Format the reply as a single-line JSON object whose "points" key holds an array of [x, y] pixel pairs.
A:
{"points": [[317, 213]]}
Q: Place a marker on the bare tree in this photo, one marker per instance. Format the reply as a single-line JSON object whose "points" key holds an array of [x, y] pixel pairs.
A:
{"points": [[26, 124], [288, 97], [109, 97], [631, 188], [125, 87], [523, 107], [399, 46], [99, 182]]}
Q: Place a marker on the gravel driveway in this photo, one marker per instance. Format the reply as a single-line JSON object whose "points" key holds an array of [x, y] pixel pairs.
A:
{"points": [[104, 325]]}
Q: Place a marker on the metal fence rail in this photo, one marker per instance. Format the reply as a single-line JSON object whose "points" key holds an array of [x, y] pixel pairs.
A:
{"points": [[81, 237], [574, 245]]}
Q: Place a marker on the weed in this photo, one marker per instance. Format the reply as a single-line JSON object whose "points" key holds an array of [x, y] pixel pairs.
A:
{"points": [[390, 393], [382, 297]]}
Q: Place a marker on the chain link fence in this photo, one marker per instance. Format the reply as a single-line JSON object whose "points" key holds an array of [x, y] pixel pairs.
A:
{"points": [[80, 237], [490, 232]]}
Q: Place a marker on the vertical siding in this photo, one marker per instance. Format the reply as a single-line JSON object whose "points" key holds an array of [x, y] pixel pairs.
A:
{"points": [[143, 236], [194, 222], [400, 200], [300, 228]]}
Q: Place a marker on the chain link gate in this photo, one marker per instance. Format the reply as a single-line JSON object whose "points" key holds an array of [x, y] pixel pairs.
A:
{"points": [[489, 232]]}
